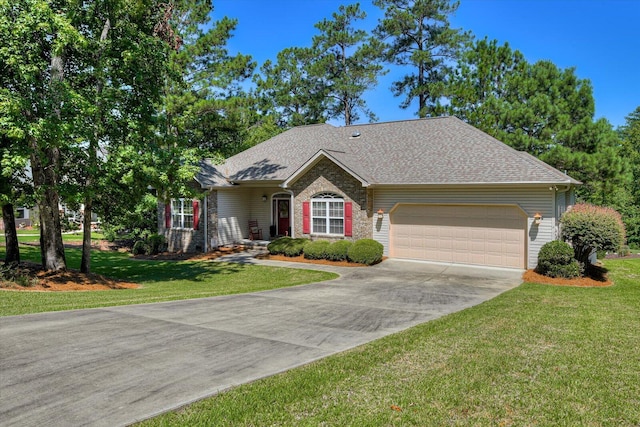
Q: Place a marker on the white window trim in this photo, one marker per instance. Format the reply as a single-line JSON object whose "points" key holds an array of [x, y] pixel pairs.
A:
{"points": [[326, 198], [180, 214]]}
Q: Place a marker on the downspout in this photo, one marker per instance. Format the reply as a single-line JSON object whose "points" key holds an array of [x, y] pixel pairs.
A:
{"points": [[206, 219], [558, 226]]}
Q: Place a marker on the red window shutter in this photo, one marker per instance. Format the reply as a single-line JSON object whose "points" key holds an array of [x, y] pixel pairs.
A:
{"points": [[348, 219], [167, 214], [196, 214], [306, 218]]}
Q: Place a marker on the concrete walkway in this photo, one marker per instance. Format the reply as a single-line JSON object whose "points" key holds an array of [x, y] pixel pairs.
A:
{"points": [[114, 366]]}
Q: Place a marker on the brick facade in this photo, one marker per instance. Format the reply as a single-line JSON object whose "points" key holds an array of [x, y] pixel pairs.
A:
{"points": [[326, 176]]}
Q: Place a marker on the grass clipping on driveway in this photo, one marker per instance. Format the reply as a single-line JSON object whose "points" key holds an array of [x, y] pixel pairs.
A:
{"points": [[535, 355]]}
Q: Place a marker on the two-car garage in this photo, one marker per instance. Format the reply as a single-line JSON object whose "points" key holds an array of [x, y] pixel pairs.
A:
{"points": [[491, 235]]}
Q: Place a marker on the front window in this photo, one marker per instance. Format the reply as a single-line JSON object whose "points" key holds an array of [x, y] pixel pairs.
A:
{"points": [[181, 213], [327, 214]]}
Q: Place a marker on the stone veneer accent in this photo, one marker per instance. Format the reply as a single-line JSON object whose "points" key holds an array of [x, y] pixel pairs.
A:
{"points": [[189, 240], [326, 176]]}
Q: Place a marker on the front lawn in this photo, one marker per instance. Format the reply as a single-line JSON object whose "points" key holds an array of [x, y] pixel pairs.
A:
{"points": [[535, 355], [160, 280], [33, 236]]}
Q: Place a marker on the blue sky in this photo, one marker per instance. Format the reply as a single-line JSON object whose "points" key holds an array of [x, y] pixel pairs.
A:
{"points": [[600, 38]]}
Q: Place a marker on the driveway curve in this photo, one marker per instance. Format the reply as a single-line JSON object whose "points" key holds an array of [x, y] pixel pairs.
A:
{"points": [[117, 365]]}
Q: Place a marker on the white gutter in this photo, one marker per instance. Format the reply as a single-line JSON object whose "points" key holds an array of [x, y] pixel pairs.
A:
{"points": [[206, 215]]}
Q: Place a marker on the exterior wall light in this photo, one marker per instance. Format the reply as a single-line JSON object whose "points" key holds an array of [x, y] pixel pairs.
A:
{"points": [[380, 214], [264, 197], [537, 218]]}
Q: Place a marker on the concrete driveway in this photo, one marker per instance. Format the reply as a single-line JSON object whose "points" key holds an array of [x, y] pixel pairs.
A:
{"points": [[114, 366]]}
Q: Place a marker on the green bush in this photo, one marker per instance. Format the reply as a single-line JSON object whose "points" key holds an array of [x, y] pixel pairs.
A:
{"points": [[287, 246], [568, 271], [339, 251], [157, 243], [624, 250], [555, 259], [141, 247], [590, 228], [366, 251], [277, 246], [316, 249]]}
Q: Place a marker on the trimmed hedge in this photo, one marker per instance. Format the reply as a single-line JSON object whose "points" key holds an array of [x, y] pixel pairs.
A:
{"points": [[339, 250], [287, 246], [316, 249], [366, 251], [556, 259]]}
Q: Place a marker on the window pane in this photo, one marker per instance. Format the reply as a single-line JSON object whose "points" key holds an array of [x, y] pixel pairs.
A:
{"points": [[187, 206], [188, 221], [336, 226], [336, 209], [319, 209], [319, 225]]}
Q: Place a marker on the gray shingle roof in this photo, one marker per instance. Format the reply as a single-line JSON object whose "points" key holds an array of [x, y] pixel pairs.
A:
{"points": [[443, 150]]}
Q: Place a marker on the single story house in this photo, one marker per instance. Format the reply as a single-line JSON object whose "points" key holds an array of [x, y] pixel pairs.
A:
{"points": [[435, 189]]}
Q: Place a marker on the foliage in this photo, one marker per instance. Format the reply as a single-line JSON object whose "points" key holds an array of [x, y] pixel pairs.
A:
{"points": [[366, 251], [316, 249], [141, 247], [630, 139], [541, 109], [287, 88], [592, 228], [339, 250], [287, 246], [152, 244], [135, 224], [348, 65], [556, 259], [422, 39]]}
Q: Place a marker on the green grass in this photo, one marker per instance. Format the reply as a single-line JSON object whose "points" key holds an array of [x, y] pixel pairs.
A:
{"points": [[161, 281], [33, 236], [536, 355]]}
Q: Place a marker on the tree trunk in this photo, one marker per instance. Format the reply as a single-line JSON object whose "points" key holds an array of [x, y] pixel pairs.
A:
{"points": [[85, 263], [10, 235], [45, 180]]}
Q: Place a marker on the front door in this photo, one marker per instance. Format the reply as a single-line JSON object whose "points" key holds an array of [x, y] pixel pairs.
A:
{"points": [[282, 210]]}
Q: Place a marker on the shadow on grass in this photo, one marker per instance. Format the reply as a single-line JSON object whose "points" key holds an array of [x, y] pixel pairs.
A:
{"points": [[120, 266]]}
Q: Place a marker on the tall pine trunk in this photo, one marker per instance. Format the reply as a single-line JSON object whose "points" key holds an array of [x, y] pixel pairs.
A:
{"points": [[10, 235], [85, 262]]}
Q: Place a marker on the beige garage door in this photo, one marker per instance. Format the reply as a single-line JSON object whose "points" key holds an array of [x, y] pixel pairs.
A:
{"points": [[482, 235]]}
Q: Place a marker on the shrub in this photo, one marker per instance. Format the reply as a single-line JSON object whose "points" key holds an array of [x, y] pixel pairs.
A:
{"points": [[157, 243], [277, 246], [624, 250], [592, 228], [555, 259], [339, 250], [141, 248], [295, 247], [317, 249], [366, 251], [287, 246]]}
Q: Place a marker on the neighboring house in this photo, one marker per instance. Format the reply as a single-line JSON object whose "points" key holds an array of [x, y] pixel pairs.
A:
{"points": [[23, 216], [432, 189]]}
